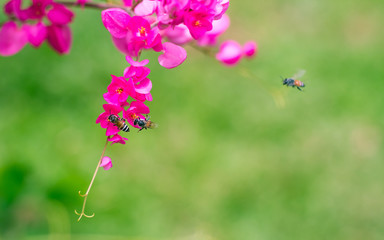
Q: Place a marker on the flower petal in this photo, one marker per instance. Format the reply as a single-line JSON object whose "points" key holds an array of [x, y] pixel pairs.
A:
{"points": [[59, 37], [59, 14], [121, 44], [144, 86], [112, 108], [106, 163], [112, 130], [136, 64], [145, 8], [250, 49], [218, 27], [178, 34], [230, 53], [139, 107], [36, 33], [116, 21], [117, 139], [173, 56], [12, 39]]}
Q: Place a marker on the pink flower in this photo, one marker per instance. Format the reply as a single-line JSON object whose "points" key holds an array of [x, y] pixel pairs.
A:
{"points": [[198, 22], [117, 91], [250, 49], [131, 34], [57, 33], [172, 11], [117, 139], [230, 53], [12, 39], [136, 110], [173, 55], [106, 163], [104, 121], [218, 28], [141, 36], [139, 85], [36, 11]]}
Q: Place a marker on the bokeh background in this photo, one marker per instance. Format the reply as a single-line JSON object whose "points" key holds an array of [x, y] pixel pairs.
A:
{"points": [[236, 155]]}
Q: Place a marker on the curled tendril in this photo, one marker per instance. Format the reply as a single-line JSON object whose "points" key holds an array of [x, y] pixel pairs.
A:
{"points": [[82, 195], [85, 196], [82, 210]]}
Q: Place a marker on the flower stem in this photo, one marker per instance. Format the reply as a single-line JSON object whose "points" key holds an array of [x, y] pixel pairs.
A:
{"points": [[85, 196], [96, 6]]}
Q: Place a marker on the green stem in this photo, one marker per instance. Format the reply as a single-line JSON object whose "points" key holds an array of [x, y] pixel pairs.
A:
{"points": [[85, 196], [102, 6]]}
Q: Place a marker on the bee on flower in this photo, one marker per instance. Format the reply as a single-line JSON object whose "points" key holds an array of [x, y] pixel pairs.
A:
{"points": [[144, 123]]}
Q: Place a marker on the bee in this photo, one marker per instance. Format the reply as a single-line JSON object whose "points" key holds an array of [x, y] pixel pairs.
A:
{"points": [[120, 123], [144, 123], [293, 82]]}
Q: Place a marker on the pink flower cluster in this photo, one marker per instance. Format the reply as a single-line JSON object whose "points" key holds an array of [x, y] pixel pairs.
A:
{"points": [[158, 25], [41, 20], [135, 84], [178, 21]]}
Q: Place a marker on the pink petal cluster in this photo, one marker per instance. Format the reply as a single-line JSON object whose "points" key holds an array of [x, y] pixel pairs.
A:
{"points": [[135, 85], [43, 20], [180, 21], [231, 52], [132, 35]]}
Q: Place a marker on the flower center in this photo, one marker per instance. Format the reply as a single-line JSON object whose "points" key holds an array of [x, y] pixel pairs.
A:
{"points": [[119, 90], [197, 23], [38, 9], [133, 116], [142, 32]]}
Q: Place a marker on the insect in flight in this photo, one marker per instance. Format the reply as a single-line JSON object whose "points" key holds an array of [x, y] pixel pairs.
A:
{"points": [[120, 123], [144, 123], [293, 81]]}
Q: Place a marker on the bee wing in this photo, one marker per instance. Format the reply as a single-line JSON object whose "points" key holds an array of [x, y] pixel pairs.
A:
{"points": [[299, 74], [153, 125]]}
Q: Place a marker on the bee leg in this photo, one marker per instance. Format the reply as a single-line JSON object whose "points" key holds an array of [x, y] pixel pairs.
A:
{"points": [[299, 89]]}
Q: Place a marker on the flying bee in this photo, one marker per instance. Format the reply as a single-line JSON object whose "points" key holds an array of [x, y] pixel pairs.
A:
{"points": [[120, 123], [293, 81], [144, 123]]}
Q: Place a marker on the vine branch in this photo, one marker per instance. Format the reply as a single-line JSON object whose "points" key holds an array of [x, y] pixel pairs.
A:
{"points": [[85, 196], [102, 6]]}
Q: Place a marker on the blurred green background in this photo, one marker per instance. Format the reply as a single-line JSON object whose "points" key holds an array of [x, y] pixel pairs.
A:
{"points": [[236, 155]]}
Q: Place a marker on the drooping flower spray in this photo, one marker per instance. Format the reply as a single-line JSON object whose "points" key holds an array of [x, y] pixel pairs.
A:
{"points": [[162, 26]]}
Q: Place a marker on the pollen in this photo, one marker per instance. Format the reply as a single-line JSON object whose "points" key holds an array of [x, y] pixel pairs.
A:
{"points": [[119, 90], [133, 116], [142, 31], [197, 23]]}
